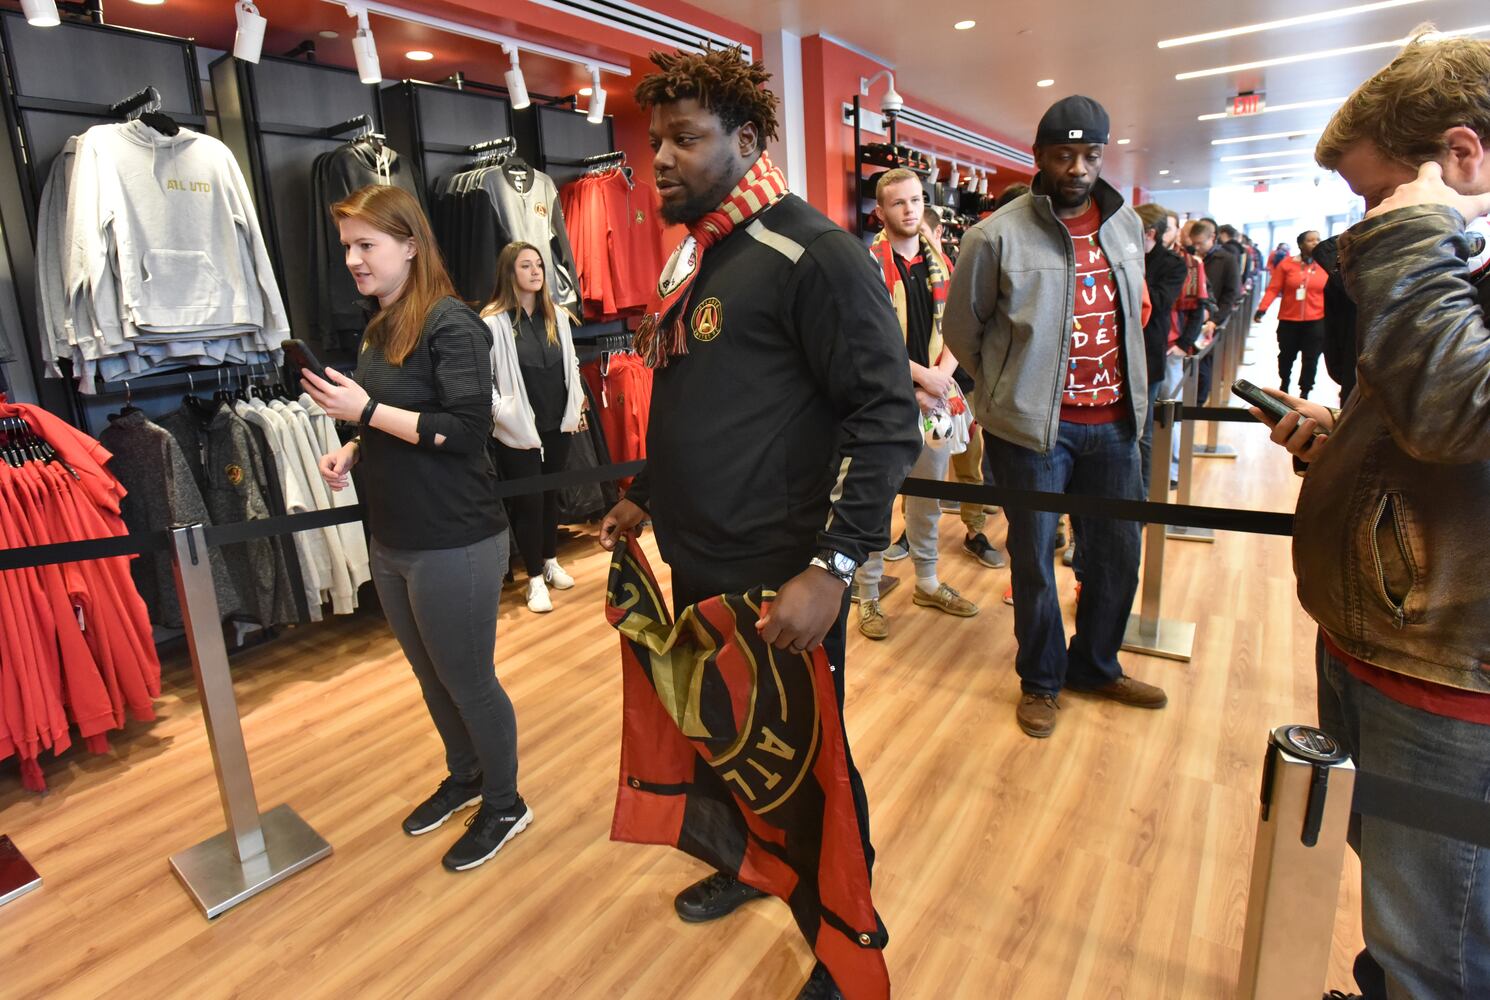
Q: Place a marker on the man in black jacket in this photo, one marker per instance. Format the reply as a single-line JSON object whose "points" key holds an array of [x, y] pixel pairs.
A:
{"points": [[1164, 273], [1223, 280], [783, 419]]}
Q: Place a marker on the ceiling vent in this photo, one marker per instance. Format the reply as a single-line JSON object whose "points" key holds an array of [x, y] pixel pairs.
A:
{"points": [[637, 20]]}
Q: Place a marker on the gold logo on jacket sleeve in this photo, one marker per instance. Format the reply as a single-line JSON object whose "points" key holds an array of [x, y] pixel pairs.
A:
{"points": [[708, 320]]}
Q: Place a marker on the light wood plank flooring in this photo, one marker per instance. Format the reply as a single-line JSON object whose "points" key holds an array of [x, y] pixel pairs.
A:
{"points": [[1111, 860]]}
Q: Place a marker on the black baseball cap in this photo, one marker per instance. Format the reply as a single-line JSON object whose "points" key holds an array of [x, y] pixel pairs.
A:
{"points": [[1073, 119]]}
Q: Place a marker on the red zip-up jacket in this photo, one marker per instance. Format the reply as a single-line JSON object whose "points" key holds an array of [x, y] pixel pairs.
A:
{"points": [[1289, 276]]}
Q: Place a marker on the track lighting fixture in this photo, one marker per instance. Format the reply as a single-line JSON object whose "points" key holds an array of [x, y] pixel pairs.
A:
{"points": [[517, 87], [597, 98], [41, 13], [364, 48], [249, 40]]}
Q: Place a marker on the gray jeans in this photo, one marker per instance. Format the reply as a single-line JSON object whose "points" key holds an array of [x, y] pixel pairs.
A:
{"points": [[921, 517], [442, 606]]}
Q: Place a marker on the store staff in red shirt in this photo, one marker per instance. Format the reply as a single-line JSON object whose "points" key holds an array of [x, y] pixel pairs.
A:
{"points": [[1299, 282]]}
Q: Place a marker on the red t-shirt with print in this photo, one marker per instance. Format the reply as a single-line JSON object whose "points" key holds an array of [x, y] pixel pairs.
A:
{"points": [[1094, 374]]}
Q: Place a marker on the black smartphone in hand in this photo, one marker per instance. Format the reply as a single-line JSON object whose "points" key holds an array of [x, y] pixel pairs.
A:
{"points": [[298, 355], [1266, 402]]}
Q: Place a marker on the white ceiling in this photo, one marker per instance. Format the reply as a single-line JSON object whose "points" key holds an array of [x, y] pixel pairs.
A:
{"points": [[1108, 50]]}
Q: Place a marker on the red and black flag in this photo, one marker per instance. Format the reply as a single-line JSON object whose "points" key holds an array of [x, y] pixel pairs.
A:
{"points": [[732, 751]]}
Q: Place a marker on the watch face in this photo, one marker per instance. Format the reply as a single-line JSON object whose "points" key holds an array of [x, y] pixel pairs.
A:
{"points": [[843, 564]]}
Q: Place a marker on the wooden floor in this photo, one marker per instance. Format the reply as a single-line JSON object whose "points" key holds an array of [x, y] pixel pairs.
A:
{"points": [[1108, 861]]}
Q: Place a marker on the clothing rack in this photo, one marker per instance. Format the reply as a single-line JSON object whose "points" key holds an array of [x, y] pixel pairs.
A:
{"points": [[615, 158], [141, 102], [362, 124]]}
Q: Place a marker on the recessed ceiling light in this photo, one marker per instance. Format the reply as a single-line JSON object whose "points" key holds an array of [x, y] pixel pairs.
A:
{"points": [[965, 25], [1266, 135], [149, 3], [1259, 156], [1164, 173], [1269, 108], [328, 33], [1395, 43], [1270, 167], [1175, 181], [1287, 22], [1045, 83], [419, 55], [1124, 142], [586, 91]]}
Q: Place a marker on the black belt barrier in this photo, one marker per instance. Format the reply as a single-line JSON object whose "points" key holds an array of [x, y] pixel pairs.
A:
{"points": [[1428, 809]]}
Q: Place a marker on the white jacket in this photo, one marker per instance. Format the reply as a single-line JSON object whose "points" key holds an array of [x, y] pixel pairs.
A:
{"points": [[512, 415]]}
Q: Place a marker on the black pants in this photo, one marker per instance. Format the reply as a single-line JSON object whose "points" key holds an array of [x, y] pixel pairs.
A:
{"points": [[687, 590], [535, 516], [1297, 337]]}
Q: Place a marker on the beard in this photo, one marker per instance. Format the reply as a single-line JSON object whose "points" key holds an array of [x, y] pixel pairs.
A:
{"points": [[708, 194], [1060, 197]]}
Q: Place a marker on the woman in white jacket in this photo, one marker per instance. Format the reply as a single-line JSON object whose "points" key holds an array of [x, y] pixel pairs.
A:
{"points": [[536, 405]]}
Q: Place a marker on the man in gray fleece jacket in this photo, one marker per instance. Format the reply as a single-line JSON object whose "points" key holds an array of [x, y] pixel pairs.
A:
{"points": [[1044, 311]]}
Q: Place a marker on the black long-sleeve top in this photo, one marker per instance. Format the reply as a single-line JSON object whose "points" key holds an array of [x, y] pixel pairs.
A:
{"points": [[1164, 272], [791, 423], [428, 495]]}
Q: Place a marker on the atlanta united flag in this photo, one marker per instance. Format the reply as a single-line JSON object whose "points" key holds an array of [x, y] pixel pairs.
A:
{"points": [[732, 751]]}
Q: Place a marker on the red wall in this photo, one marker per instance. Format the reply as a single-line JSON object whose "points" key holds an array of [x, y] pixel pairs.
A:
{"points": [[830, 77]]}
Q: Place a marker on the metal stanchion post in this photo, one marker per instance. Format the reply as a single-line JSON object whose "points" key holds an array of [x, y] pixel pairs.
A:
{"points": [[1187, 449], [1307, 785], [1225, 374], [1147, 632], [257, 850]]}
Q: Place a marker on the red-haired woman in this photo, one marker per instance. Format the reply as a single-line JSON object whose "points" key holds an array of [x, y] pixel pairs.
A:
{"points": [[422, 396]]}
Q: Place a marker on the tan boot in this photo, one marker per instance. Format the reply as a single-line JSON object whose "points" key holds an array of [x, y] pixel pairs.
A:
{"points": [[872, 621], [1036, 714], [946, 599]]}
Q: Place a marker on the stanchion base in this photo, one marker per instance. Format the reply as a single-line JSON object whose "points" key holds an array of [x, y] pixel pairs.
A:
{"points": [[218, 881], [17, 877], [1184, 533], [1170, 639], [1215, 451]]}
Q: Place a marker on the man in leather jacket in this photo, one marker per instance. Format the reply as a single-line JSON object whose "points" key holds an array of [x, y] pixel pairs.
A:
{"points": [[1390, 540]]}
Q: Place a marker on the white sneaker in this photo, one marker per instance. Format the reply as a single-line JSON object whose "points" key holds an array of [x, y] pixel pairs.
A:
{"points": [[538, 601], [555, 577]]}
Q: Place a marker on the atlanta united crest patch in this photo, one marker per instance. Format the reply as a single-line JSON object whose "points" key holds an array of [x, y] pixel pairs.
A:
{"points": [[708, 320]]}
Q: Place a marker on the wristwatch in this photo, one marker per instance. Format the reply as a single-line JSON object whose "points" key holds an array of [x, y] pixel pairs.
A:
{"points": [[836, 563]]}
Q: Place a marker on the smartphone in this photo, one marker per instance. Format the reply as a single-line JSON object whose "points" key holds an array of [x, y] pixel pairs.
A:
{"points": [[1267, 403], [298, 355]]}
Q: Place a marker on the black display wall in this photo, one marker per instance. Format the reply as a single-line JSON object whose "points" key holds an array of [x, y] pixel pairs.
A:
{"points": [[277, 117], [557, 140], [58, 82], [437, 125]]}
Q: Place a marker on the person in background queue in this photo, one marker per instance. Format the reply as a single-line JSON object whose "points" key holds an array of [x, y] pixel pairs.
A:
{"points": [[1046, 313], [915, 273], [1390, 544], [422, 396], [537, 405], [1299, 283], [1164, 272], [783, 417]]}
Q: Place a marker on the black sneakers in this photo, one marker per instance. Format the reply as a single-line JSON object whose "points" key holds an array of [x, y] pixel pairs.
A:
{"points": [[980, 548], [451, 797], [717, 896], [820, 985], [487, 832]]}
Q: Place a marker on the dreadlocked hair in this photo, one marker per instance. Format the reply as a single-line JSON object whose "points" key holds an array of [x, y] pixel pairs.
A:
{"points": [[721, 80]]}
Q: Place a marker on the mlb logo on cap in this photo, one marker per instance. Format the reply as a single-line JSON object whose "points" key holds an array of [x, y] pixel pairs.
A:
{"points": [[1075, 133]]}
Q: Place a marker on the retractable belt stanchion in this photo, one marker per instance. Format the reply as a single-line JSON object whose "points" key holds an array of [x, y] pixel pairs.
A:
{"points": [[1307, 784], [1228, 358], [256, 851], [1187, 447], [1147, 632]]}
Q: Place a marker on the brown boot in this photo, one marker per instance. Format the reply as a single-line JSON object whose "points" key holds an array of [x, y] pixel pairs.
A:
{"points": [[1036, 714], [1131, 691]]}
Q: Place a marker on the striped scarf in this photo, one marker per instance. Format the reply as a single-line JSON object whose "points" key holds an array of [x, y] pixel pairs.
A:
{"points": [[663, 333], [936, 270]]}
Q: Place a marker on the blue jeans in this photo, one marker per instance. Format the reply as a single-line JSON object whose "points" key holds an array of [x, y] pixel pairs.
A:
{"points": [[1087, 460], [1425, 899]]}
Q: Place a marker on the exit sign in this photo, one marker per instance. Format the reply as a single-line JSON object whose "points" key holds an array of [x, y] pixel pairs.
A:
{"points": [[1245, 104], [1261, 187]]}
